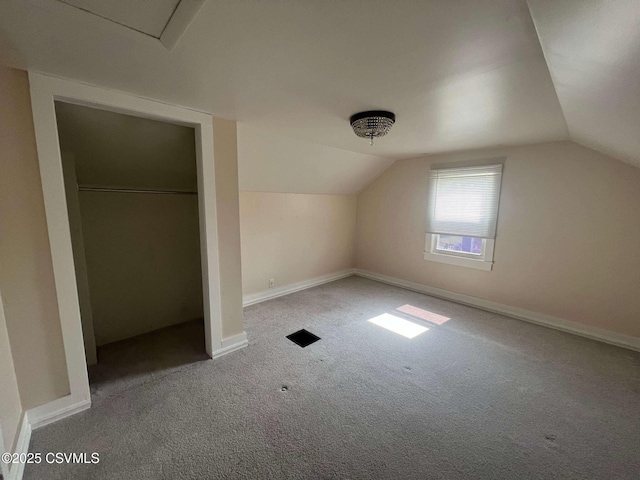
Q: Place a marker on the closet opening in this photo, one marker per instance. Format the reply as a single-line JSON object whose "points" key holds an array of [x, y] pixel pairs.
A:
{"points": [[131, 187]]}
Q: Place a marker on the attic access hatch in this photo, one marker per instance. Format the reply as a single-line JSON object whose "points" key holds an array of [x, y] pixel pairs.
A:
{"points": [[165, 20]]}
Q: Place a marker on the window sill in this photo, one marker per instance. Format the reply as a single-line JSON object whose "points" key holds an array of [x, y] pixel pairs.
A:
{"points": [[459, 261]]}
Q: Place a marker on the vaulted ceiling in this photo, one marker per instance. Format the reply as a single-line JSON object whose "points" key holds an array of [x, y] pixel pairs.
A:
{"points": [[592, 48], [459, 74]]}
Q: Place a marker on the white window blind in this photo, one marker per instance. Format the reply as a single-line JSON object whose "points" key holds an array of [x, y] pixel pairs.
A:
{"points": [[464, 201]]}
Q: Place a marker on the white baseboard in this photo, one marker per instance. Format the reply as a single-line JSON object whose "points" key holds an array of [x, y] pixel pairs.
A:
{"points": [[618, 339], [56, 410], [294, 287], [22, 447], [35, 418], [231, 344]]}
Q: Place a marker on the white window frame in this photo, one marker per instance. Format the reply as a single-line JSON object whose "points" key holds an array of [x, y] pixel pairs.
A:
{"points": [[460, 259]]}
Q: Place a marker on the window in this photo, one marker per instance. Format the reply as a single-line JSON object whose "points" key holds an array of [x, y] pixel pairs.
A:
{"points": [[462, 215]]}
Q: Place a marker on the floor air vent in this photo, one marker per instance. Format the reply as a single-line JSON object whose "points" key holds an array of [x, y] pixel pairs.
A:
{"points": [[303, 338]]}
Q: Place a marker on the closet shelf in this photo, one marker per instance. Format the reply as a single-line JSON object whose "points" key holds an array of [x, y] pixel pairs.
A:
{"points": [[90, 188]]}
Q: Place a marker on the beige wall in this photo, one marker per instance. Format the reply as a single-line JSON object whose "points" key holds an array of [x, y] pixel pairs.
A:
{"points": [[10, 406], [26, 273], [226, 170], [567, 237], [138, 152], [143, 262], [294, 237]]}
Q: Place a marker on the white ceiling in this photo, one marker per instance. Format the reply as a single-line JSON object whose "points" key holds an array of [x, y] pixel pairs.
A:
{"points": [[269, 162], [150, 17], [459, 74], [592, 48]]}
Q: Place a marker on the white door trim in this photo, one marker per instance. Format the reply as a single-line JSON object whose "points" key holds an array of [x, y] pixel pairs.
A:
{"points": [[44, 91]]}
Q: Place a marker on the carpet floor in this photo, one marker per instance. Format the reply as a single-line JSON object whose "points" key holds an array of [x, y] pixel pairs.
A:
{"points": [[478, 396]]}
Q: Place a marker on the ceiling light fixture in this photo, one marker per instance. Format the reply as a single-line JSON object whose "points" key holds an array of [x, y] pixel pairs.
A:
{"points": [[372, 124]]}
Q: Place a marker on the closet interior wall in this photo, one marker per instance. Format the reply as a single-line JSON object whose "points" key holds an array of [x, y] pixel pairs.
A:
{"points": [[131, 186]]}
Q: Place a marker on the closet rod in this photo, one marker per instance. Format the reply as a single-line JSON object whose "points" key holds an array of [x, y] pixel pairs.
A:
{"points": [[134, 190]]}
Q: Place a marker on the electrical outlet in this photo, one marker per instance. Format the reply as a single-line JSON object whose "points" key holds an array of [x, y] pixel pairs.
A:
{"points": [[272, 282]]}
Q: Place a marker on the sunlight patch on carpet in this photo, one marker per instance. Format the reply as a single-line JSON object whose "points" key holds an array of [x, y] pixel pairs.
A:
{"points": [[422, 314], [398, 325]]}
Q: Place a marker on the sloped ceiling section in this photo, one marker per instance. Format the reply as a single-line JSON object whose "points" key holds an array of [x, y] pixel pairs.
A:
{"points": [[459, 74], [592, 48], [269, 162], [463, 74]]}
